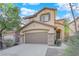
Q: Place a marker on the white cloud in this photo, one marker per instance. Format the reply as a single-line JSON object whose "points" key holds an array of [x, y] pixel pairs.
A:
{"points": [[68, 16], [76, 8], [24, 4], [31, 3], [66, 7], [63, 6], [25, 11], [57, 17]]}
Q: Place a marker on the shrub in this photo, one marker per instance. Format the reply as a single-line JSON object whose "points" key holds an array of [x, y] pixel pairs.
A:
{"points": [[66, 39], [9, 42], [73, 46]]}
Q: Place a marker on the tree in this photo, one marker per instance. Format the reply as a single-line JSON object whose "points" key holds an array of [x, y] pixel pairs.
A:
{"points": [[9, 18], [73, 43], [73, 16], [66, 28], [66, 25]]}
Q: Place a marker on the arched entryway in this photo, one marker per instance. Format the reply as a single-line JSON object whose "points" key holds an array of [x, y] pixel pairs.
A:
{"points": [[58, 35]]}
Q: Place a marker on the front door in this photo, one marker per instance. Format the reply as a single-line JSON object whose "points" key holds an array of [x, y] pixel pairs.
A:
{"points": [[58, 33]]}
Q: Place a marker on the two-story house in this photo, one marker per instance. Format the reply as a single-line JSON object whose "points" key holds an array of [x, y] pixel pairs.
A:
{"points": [[42, 28]]}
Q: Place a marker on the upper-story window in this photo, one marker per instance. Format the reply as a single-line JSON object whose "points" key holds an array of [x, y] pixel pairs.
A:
{"points": [[45, 17]]}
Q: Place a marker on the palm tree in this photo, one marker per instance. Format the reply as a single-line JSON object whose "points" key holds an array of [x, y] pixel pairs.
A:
{"points": [[73, 17]]}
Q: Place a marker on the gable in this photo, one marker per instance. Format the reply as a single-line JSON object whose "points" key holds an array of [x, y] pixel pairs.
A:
{"points": [[36, 25], [43, 10], [37, 16], [51, 16]]}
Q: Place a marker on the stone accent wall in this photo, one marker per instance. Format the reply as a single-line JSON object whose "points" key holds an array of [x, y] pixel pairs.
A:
{"points": [[51, 38]]}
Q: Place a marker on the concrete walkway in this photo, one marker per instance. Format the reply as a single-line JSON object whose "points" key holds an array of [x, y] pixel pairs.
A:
{"points": [[56, 51], [25, 50]]}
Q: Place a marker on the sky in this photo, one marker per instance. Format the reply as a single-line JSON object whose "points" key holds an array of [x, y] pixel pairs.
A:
{"points": [[63, 9]]}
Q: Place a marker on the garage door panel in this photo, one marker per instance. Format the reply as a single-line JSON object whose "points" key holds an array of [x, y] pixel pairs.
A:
{"points": [[39, 38]]}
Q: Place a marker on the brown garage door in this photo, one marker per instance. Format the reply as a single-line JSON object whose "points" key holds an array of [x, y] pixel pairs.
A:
{"points": [[37, 38]]}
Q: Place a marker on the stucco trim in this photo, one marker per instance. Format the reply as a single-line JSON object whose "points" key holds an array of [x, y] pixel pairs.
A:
{"points": [[57, 22], [37, 22], [35, 29]]}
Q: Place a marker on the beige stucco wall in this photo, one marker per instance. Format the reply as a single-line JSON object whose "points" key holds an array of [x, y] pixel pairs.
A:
{"points": [[37, 18], [52, 16], [35, 26]]}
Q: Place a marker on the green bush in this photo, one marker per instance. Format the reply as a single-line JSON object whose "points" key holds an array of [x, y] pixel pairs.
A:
{"points": [[9, 42], [73, 46]]}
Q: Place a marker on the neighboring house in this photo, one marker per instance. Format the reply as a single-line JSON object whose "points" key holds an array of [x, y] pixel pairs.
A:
{"points": [[11, 35], [42, 28], [72, 26]]}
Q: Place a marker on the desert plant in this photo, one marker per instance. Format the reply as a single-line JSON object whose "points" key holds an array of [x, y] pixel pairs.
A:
{"points": [[9, 42]]}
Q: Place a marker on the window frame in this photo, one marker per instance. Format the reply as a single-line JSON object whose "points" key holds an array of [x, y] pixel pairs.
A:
{"points": [[42, 17]]}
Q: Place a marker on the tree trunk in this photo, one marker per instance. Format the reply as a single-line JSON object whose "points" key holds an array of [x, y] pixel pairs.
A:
{"points": [[73, 17], [17, 37], [1, 43]]}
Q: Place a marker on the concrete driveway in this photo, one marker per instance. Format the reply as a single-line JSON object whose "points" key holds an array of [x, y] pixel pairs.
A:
{"points": [[25, 50], [33, 50]]}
